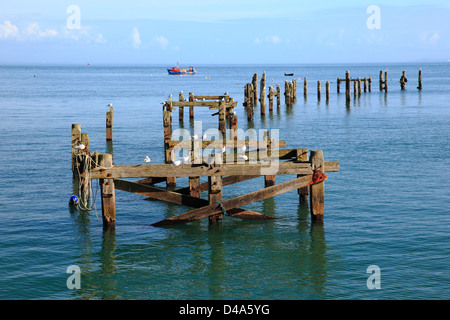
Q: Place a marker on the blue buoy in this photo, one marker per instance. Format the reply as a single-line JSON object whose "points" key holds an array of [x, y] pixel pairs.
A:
{"points": [[73, 200]]}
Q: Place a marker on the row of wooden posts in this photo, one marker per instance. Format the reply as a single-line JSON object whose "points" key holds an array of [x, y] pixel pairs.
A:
{"points": [[290, 90], [309, 167]]}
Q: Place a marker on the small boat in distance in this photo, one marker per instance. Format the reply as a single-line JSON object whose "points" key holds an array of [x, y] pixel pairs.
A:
{"points": [[177, 70], [288, 74]]}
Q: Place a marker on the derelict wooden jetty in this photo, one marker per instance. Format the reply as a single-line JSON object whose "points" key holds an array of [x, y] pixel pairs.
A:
{"points": [[232, 161]]}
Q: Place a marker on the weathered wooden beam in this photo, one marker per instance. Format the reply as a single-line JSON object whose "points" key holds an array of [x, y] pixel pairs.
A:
{"points": [[109, 124], [210, 104], [232, 203], [197, 170], [228, 180], [181, 199]]}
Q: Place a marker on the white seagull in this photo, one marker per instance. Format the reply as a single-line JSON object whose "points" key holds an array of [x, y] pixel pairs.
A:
{"points": [[224, 149], [147, 159], [204, 136], [194, 137], [80, 147], [243, 157], [242, 149], [109, 105], [175, 163], [185, 159]]}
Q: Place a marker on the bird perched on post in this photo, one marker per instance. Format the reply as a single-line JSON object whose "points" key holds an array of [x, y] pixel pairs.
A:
{"points": [[80, 147], [109, 105], [147, 159]]}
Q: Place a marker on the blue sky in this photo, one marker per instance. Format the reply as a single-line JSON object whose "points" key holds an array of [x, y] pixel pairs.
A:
{"points": [[222, 32]]}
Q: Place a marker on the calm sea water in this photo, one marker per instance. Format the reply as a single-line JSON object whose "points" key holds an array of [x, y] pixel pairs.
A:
{"points": [[388, 206]]}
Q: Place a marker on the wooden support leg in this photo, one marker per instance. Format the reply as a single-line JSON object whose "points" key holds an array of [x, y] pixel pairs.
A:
{"points": [[317, 191], [302, 155], [215, 195], [107, 195], [194, 182], [109, 124], [269, 180]]}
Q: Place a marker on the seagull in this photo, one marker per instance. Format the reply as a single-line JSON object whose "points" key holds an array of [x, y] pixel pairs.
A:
{"points": [[170, 96], [181, 91], [185, 159], [109, 105], [243, 157], [204, 136], [233, 113], [175, 163], [226, 93], [194, 137], [242, 149], [147, 159], [80, 147]]}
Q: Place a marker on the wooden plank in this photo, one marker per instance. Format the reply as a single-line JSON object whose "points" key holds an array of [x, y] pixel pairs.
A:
{"points": [[211, 104], [228, 180], [196, 170], [236, 202]]}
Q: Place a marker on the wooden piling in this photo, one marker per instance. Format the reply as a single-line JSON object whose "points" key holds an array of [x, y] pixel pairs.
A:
{"points": [[109, 124], [403, 80], [255, 89], [305, 87], [181, 109], [278, 97], [338, 85], [385, 81], [194, 182], [85, 142], [269, 180], [327, 90], [294, 90], [215, 195], [302, 155], [370, 84], [318, 90], [262, 95], [317, 191], [419, 86], [359, 86], [381, 80], [191, 108], [270, 96], [167, 127], [365, 84], [347, 86], [76, 140], [354, 88], [107, 194]]}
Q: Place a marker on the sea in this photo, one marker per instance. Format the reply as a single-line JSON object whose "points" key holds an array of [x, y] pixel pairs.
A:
{"points": [[385, 234]]}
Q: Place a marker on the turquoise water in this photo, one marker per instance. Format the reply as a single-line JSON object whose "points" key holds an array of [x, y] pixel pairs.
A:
{"points": [[388, 206]]}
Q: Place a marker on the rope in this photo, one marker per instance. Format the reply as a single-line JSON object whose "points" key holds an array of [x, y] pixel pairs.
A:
{"points": [[86, 193], [222, 207]]}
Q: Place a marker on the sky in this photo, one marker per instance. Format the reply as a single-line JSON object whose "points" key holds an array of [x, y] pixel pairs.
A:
{"points": [[223, 32]]}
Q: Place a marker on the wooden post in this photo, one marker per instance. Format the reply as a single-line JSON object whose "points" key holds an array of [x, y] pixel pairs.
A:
{"points": [[419, 86], [167, 122], [191, 109], [194, 182], [354, 88], [107, 194], [181, 109], [278, 97], [215, 195], [222, 110], [359, 86], [85, 141], [338, 85], [109, 124], [385, 80], [317, 191], [403, 80], [327, 89], [370, 84], [381, 80], [305, 87], [365, 84], [262, 94], [255, 89], [269, 180], [302, 155], [318, 90], [76, 139], [270, 96], [294, 90], [347, 86]]}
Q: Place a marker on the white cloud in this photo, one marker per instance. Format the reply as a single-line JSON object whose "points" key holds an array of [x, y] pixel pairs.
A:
{"points": [[8, 30], [162, 41], [34, 31], [429, 38], [136, 37], [273, 39], [100, 38]]}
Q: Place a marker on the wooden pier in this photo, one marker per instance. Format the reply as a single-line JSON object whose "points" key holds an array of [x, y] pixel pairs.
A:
{"points": [[246, 160]]}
